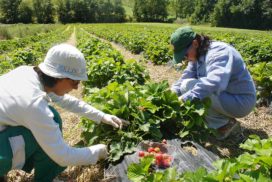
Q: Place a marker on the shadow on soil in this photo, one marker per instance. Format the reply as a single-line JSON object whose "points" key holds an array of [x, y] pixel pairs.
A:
{"points": [[230, 146]]}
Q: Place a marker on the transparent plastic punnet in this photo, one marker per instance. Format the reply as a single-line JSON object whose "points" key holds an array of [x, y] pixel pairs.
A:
{"points": [[162, 159], [118, 172]]}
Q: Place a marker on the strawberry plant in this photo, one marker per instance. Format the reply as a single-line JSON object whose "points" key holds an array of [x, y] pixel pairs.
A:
{"points": [[106, 65], [152, 110], [143, 172], [261, 73]]}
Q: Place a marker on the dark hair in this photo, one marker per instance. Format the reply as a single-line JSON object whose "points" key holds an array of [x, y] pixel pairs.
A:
{"points": [[204, 43], [46, 80]]}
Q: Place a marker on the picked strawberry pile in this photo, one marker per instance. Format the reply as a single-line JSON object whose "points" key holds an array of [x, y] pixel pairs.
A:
{"points": [[162, 159]]}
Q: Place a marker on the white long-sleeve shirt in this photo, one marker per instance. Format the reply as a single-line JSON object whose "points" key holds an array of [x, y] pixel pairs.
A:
{"points": [[23, 102]]}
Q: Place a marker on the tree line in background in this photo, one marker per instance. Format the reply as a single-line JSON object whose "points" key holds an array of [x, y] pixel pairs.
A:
{"points": [[252, 14], [64, 11]]}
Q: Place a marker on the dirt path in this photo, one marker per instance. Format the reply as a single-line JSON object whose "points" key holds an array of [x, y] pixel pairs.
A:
{"points": [[156, 72]]}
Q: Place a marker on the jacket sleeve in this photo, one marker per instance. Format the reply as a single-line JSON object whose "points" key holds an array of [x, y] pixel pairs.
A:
{"points": [[39, 119], [77, 106], [219, 67], [189, 72]]}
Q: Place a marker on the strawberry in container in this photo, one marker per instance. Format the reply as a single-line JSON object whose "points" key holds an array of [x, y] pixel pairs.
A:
{"points": [[160, 151]]}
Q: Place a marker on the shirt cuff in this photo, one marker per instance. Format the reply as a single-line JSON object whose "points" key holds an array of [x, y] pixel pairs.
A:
{"points": [[188, 96], [99, 117]]}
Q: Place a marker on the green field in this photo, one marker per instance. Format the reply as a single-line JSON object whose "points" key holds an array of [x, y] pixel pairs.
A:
{"points": [[119, 83]]}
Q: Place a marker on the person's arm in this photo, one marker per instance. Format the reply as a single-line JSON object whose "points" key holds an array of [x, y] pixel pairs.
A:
{"points": [[219, 67], [39, 119], [77, 106], [189, 72]]}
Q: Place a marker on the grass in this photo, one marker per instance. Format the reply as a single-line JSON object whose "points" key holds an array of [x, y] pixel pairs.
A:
{"points": [[21, 30]]}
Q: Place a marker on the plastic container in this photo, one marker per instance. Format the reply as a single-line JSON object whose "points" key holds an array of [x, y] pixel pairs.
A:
{"points": [[163, 158]]}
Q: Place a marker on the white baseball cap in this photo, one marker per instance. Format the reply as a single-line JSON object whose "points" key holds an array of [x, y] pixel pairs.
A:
{"points": [[64, 61]]}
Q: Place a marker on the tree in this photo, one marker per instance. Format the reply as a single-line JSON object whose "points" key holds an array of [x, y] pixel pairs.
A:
{"points": [[44, 11], [174, 7], [202, 11], [84, 10], [267, 14], [65, 11], [150, 10], [221, 15], [25, 13], [252, 14], [119, 11], [9, 10], [186, 8]]}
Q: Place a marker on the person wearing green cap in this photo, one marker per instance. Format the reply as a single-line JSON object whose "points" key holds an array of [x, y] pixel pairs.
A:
{"points": [[216, 70]]}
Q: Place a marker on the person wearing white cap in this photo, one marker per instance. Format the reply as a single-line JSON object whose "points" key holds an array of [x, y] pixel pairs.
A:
{"points": [[30, 129]]}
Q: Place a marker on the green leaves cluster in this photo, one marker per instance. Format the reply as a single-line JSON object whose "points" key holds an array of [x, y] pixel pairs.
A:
{"points": [[153, 110], [29, 51], [106, 65], [142, 172], [254, 165], [262, 74]]}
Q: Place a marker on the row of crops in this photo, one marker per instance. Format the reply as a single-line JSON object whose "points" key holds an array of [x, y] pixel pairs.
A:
{"points": [[29, 50], [154, 111], [123, 88], [153, 42]]}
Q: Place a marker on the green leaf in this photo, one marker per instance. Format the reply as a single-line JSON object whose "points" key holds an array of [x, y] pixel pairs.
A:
{"points": [[135, 173], [170, 175], [200, 111], [145, 127], [183, 134], [246, 178], [196, 176]]}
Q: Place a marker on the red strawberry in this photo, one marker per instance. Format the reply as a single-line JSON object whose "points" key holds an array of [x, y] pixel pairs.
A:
{"points": [[159, 157], [150, 149], [166, 163], [141, 153]]}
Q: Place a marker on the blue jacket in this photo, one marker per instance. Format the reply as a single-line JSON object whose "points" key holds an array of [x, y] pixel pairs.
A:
{"points": [[220, 69]]}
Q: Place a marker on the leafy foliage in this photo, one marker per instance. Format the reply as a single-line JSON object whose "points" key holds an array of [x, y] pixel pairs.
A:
{"points": [[152, 109], [141, 172], [106, 65], [262, 74], [150, 10]]}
